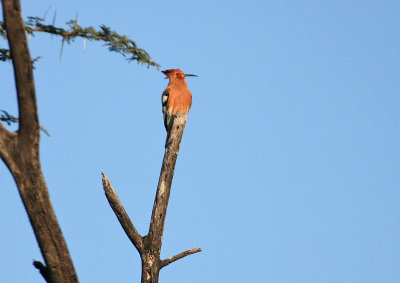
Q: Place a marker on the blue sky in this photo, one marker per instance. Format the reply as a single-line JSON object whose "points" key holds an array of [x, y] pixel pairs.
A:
{"points": [[289, 169]]}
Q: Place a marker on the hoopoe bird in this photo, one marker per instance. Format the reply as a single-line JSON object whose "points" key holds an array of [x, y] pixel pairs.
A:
{"points": [[176, 98]]}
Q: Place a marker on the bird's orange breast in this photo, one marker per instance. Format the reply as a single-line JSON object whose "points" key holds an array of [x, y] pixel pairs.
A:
{"points": [[179, 101]]}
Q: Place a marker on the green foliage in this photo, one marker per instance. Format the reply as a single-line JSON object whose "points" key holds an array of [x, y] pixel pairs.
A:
{"points": [[114, 41]]}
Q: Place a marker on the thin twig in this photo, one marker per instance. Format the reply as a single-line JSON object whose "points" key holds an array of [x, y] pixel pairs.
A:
{"points": [[167, 261]]}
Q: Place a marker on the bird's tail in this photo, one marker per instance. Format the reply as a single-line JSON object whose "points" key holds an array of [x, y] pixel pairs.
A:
{"points": [[169, 128], [166, 140]]}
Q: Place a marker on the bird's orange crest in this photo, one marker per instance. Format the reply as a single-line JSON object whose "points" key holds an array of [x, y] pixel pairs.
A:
{"points": [[173, 74]]}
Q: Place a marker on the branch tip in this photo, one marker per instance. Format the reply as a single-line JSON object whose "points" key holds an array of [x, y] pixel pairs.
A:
{"points": [[174, 258], [121, 214]]}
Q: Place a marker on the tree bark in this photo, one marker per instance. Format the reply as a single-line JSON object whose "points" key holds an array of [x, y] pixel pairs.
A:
{"points": [[20, 152]]}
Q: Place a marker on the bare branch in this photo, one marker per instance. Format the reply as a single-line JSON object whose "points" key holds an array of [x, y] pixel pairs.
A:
{"points": [[167, 261], [121, 214], [164, 184], [29, 125], [149, 246], [151, 263], [20, 151]]}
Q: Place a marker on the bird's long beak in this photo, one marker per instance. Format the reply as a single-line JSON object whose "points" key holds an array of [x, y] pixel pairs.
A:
{"points": [[190, 75]]}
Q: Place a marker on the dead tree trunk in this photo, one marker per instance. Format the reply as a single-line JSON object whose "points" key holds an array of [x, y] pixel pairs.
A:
{"points": [[20, 152], [149, 246]]}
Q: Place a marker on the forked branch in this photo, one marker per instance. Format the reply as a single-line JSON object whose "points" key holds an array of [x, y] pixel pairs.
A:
{"points": [[149, 246]]}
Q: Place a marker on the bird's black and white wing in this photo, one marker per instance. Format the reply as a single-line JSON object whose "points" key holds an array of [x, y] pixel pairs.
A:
{"points": [[164, 102]]}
